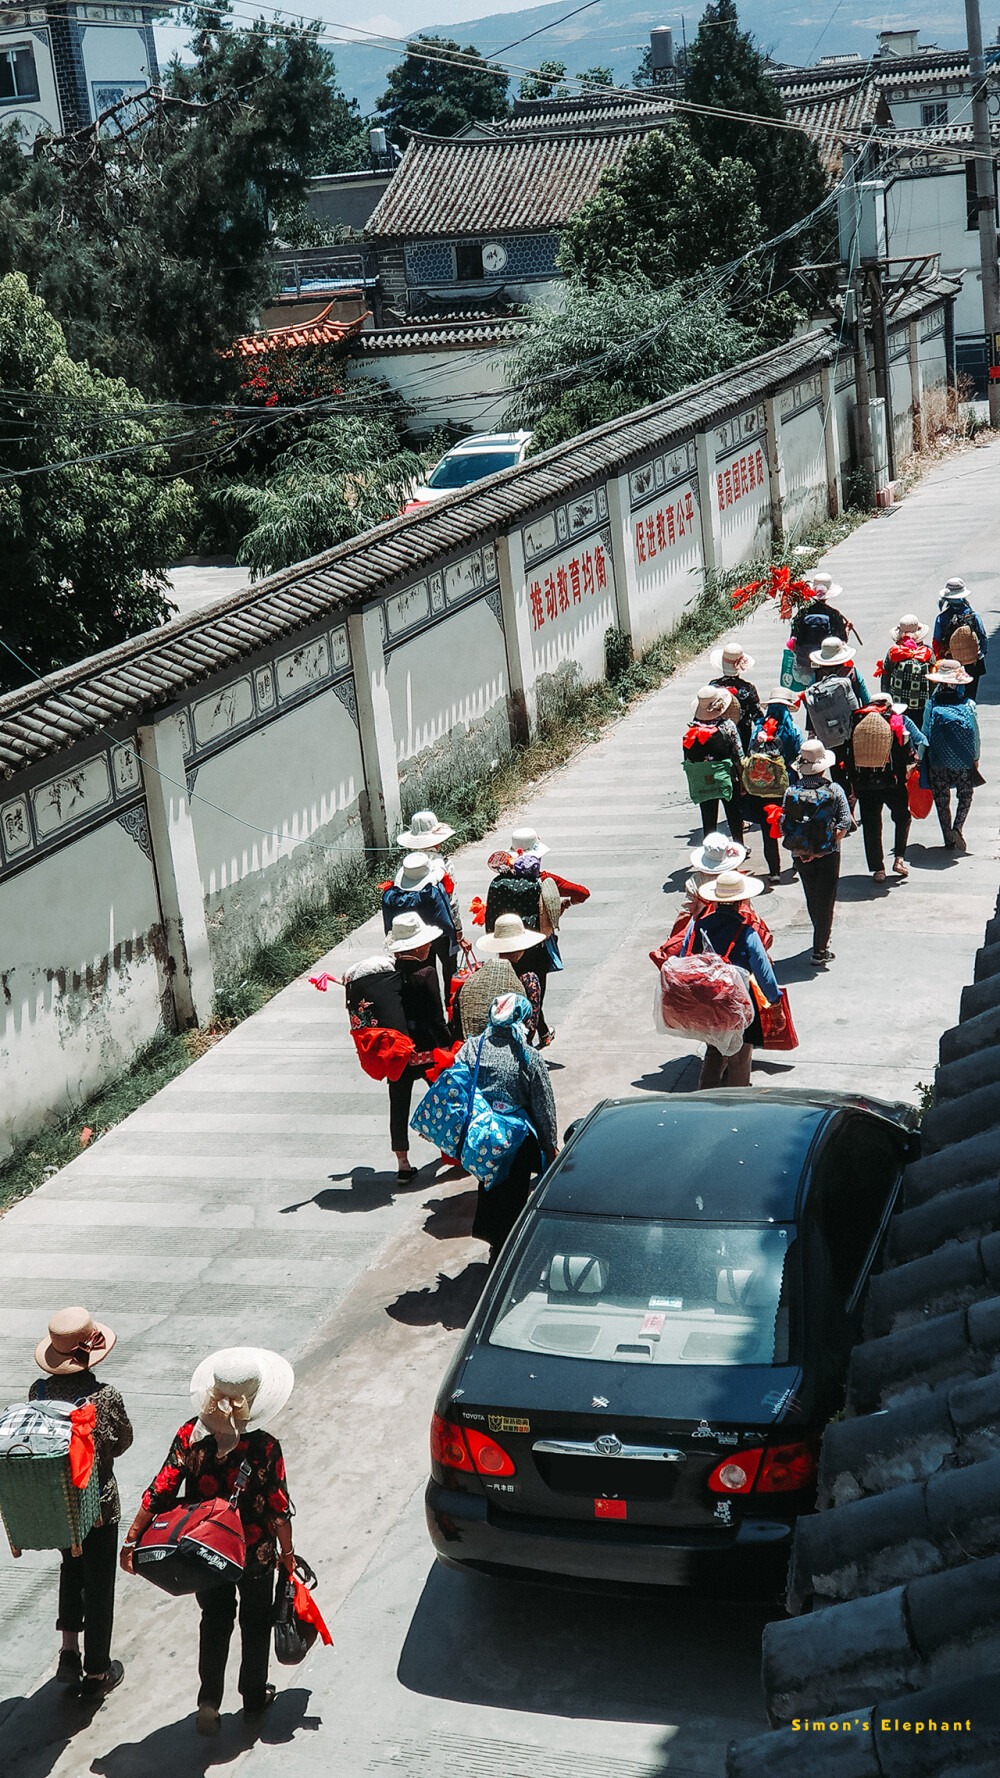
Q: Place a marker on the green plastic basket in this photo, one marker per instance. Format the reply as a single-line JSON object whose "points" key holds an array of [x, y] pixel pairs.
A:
{"points": [[40, 1507]]}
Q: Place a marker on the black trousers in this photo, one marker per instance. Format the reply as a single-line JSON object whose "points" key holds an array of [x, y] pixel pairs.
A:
{"points": [[871, 803], [734, 816], [218, 1615], [87, 1594], [400, 1096], [539, 960], [820, 877], [753, 809], [498, 1209]]}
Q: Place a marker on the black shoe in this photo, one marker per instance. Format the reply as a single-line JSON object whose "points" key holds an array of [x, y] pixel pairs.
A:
{"points": [[820, 959], [259, 1709], [96, 1686], [70, 1668]]}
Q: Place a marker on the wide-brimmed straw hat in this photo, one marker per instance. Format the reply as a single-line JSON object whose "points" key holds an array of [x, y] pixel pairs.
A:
{"points": [[781, 695], [409, 931], [732, 885], [74, 1343], [832, 652], [424, 830], [416, 871], [954, 592], [910, 625], [884, 700], [949, 672], [712, 703], [717, 853], [525, 839], [509, 934], [245, 1386], [732, 657], [813, 759], [824, 586]]}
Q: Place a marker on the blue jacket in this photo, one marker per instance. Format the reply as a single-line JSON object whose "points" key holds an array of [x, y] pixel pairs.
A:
{"points": [[788, 735], [952, 732], [722, 928]]}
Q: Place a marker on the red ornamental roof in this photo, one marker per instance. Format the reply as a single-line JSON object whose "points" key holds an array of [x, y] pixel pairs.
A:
{"points": [[319, 332]]}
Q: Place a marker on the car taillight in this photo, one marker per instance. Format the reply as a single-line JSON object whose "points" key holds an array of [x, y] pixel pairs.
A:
{"points": [[461, 1447], [786, 1467], [735, 1475], [448, 1447], [488, 1457]]}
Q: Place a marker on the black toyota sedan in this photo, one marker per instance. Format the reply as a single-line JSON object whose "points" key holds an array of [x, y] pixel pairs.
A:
{"points": [[641, 1392]]}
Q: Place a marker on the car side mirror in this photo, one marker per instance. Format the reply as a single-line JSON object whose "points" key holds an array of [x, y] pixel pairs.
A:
{"points": [[569, 1131]]}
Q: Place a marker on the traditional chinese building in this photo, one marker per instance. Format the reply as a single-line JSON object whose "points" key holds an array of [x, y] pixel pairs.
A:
{"points": [[62, 64]]}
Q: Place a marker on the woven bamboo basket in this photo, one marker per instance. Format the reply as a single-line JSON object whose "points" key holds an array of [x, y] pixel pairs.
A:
{"points": [[872, 742], [964, 645], [40, 1507]]}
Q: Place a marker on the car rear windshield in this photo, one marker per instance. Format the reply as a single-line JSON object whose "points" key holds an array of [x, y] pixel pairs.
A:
{"points": [[471, 466], [650, 1293]]}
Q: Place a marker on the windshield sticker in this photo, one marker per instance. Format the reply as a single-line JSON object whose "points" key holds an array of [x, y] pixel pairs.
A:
{"points": [[508, 1423], [666, 1302], [598, 1401], [652, 1326]]}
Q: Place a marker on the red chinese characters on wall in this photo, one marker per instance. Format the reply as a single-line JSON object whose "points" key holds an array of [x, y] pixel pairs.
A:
{"points": [[662, 529], [581, 578], [741, 477]]}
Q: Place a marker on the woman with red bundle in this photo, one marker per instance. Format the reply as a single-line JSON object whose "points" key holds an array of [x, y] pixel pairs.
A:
{"points": [[726, 926], [398, 1022], [903, 672]]}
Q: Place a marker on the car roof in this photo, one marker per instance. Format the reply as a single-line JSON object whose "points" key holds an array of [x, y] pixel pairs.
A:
{"points": [[693, 1157], [485, 441]]}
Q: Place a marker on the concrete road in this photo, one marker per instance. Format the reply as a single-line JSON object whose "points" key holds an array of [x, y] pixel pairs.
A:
{"points": [[194, 586], [250, 1201]]}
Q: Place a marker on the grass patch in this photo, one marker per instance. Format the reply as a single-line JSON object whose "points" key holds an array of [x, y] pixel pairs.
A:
{"points": [[352, 897]]}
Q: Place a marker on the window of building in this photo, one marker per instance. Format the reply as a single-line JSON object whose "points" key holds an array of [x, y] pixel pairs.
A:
{"points": [[935, 115], [469, 262], [18, 79]]}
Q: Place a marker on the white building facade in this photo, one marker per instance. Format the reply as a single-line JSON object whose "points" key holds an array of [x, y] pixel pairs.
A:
{"points": [[62, 64]]}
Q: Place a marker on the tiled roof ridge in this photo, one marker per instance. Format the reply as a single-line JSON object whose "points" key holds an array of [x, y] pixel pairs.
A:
{"points": [[517, 139], [153, 669], [320, 331], [898, 1572]]}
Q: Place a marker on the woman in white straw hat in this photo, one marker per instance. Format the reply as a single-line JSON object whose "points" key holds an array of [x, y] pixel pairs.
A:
{"points": [[517, 944], [395, 1005], [732, 662], [425, 834], [959, 631], [226, 1449], [836, 692], [68, 1353], [908, 658], [951, 726], [815, 620], [520, 886], [421, 886], [726, 929], [713, 759]]}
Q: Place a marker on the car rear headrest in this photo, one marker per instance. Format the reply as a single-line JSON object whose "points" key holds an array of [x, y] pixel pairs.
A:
{"points": [[732, 1284], [578, 1274]]}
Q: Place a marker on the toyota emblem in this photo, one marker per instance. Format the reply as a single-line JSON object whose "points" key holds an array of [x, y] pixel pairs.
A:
{"points": [[608, 1444]]}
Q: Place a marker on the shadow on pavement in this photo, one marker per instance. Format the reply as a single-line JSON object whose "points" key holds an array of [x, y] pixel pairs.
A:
{"points": [[448, 1303], [175, 1751], [450, 1218], [677, 1076], [368, 1190], [614, 1657]]}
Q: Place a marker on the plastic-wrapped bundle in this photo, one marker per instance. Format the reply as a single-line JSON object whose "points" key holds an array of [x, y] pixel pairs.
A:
{"points": [[704, 999]]}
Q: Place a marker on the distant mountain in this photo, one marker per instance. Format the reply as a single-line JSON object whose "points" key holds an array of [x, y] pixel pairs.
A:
{"points": [[612, 34]]}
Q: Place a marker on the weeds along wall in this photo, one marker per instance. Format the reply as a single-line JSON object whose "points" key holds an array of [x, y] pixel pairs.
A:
{"points": [[168, 805]]}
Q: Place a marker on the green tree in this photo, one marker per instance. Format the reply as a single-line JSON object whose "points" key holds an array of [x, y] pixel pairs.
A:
{"points": [[151, 240], [346, 475], [614, 348], [82, 544], [597, 76], [544, 83], [727, 69], [664, 213], [441, 91]]}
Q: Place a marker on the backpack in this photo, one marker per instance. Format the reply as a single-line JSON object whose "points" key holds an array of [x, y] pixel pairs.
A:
{"points": [[189, 1548], [811, 629], [952, 736], [908, 683], [764, 770], [430, 902], [709, 779], [831, 703], [871, 743], [514, 895], [963, 645], [808, 825]]}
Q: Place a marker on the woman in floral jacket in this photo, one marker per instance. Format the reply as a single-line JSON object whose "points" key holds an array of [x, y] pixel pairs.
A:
{"points": [[233, 1393]]}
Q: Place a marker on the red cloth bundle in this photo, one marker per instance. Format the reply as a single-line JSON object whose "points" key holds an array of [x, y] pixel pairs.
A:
{"points": [[81, 1444], [305, 1607], [772, 812], [383, 1054], [442, 1059], [919, 797]]}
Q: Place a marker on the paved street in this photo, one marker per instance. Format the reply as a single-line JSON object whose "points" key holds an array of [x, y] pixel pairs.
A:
{"points": [[251, 1201]]}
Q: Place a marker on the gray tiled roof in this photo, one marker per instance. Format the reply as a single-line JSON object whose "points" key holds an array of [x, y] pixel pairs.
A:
{"points": [[498, 184], [155, 669], [435, 332], [896, 1579]]}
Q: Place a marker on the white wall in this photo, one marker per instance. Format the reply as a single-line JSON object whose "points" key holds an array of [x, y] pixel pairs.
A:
{"points": [[42, 113], [448, 690], [452, 387], [113, 55], [926, 213], [667, 556], [804, 455]]}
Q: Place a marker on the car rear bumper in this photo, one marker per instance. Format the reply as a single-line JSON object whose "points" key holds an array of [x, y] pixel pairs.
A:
{"points": [[469, 1532]]}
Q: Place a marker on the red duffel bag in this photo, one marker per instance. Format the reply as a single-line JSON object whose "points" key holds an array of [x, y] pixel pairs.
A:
{"points": [[193, 1547]]}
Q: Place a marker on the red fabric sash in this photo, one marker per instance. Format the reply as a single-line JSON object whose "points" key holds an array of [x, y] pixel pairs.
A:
{"points": [[305, 1607], [81, 1444]]}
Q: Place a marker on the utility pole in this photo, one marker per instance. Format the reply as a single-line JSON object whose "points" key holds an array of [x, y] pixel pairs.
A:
{"points": [[985, 200], [880, 345]]}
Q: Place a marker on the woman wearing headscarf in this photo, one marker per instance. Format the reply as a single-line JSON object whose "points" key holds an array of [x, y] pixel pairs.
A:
{"points": [[74, 1344], [725, 927], [511, 1077], [951, 727], [234, 1394]]}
